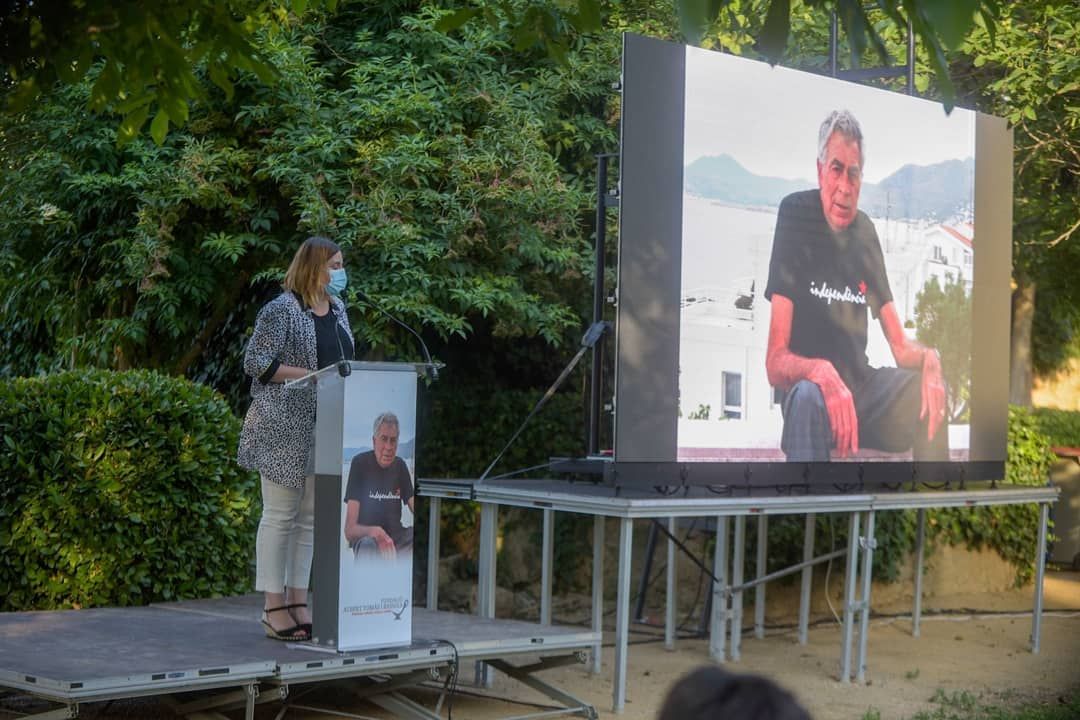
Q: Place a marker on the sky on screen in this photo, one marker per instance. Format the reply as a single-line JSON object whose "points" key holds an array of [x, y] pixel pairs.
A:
{"points": [[767, 118]]}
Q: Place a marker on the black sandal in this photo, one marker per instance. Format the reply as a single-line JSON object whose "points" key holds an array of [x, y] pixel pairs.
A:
{"points": [[296, 633], [306, 627]]}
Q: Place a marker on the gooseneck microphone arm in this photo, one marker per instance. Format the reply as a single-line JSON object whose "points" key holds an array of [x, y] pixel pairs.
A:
{"points": [[432, 371]]}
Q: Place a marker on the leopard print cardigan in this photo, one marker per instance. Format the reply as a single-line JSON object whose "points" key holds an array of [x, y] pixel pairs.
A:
{"points": [[277, 435]]}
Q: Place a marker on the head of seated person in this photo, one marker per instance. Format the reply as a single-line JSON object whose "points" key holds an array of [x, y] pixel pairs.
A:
{"points": [[710, 692]]}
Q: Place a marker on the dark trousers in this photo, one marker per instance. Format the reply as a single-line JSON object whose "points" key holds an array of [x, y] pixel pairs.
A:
{"points": [[887, 405]]}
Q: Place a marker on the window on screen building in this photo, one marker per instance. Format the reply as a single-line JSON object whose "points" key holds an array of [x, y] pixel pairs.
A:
{"points": [[732, 395]]}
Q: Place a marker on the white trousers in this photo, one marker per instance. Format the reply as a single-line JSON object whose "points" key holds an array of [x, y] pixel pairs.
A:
{"points": [[283, 545]]}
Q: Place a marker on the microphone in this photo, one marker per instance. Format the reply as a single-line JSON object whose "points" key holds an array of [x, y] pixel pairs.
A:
{"points": [[344, 369], [432, 371]]}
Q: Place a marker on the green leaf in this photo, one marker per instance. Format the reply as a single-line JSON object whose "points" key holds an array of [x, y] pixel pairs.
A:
{"points": [[774, 34], [695, 16], [131, 124], [587, 18], [159, 127], [951, 20], [455, 20]]}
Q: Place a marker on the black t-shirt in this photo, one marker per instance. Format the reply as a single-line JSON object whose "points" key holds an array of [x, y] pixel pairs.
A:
{"points": [[381, 492], [328, 349], [830, 279]]}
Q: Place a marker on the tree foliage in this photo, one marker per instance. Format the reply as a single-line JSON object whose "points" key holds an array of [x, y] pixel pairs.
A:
{"points": [[442, 164], [146, 54], [943, 321], [1029, 72]]}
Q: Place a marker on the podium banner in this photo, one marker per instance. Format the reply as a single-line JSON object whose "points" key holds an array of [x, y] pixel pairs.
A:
{"points": [[377, 503]]}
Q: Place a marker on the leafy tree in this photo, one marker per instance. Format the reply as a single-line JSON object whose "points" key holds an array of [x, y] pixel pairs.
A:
{"points": [[439, 162], [1029, 72], [943, 321], [939, 25], [147, 54]]}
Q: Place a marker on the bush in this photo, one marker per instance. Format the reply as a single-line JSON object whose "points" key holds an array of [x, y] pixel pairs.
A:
{"points": [[1061, 427], [120, 489]]}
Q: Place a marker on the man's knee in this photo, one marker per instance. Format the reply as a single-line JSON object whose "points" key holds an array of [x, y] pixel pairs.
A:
{"points": [[806, 435], [803, 400]]}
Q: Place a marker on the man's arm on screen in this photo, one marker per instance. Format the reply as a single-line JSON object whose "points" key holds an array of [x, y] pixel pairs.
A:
{"points": [[915, 356], [785, 369]]}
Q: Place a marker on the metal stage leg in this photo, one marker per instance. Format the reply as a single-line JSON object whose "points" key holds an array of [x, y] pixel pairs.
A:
{"points": [[211, 705], [646, 573], [738, 562], [402, 707], [597, 591], [433, 535], [1040, 572], [546, 565], [849, 596], [920, 550], [718, 619], [622, 612], [489, 523], [672, 595], [524, 674], [759, 571], [864, 602], [807, 577]]}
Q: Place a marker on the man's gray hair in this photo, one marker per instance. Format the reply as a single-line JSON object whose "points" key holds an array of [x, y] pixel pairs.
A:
{"points": [[386, 418], [843, 122]]}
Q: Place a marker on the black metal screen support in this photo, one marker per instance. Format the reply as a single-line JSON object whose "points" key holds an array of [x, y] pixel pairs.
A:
{"points": [[604, 200], [862, 74]]}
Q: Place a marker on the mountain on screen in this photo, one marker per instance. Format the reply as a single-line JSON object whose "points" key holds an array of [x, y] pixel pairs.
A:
{"points": [[940, 192]]}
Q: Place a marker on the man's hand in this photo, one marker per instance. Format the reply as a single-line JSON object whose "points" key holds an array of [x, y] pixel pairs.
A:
{"points": [[933, 393], [840, 405], [387, 549]]}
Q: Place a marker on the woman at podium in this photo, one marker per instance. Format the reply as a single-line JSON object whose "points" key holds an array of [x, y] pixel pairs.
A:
{"points": [[301, 330]]}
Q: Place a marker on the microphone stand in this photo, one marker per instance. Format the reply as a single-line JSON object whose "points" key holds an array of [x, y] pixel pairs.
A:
{"points": [[594, 333]]}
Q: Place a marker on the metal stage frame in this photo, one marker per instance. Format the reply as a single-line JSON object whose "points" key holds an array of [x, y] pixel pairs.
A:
{"points": [[211, 655], [726, 620]]}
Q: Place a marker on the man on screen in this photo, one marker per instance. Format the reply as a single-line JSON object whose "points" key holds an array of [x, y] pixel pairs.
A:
{"points": [[379, 483], [826, 271]]}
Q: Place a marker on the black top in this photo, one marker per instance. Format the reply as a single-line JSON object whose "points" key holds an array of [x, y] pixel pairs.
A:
{"points": [[830, 279], [329, 349], [381, 492]]}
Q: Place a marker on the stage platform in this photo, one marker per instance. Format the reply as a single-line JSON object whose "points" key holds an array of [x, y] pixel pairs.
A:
{"points": [[78, 656], [663, 505]]}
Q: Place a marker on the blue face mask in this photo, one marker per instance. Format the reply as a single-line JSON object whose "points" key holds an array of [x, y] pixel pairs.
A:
{"points": [[337, 282]]}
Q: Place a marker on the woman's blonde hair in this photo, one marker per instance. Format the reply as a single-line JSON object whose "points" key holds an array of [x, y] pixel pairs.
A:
{"points": [[305, 274]]}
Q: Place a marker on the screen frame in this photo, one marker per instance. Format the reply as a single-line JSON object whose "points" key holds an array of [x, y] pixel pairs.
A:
{"points": [[649, 285]]}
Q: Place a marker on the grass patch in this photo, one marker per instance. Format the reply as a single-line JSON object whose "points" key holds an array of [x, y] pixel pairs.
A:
{"points": [[963, 705]]}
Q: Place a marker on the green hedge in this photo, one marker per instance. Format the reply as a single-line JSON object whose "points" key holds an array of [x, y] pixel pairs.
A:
{"points": [[1061, 427], [120, 489]]}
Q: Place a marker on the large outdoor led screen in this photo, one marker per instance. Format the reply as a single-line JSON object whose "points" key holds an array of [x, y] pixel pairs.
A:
{"points": [[800, 277]]}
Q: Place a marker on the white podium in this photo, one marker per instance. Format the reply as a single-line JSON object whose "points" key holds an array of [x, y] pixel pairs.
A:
{"points": [[363, 461]]}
